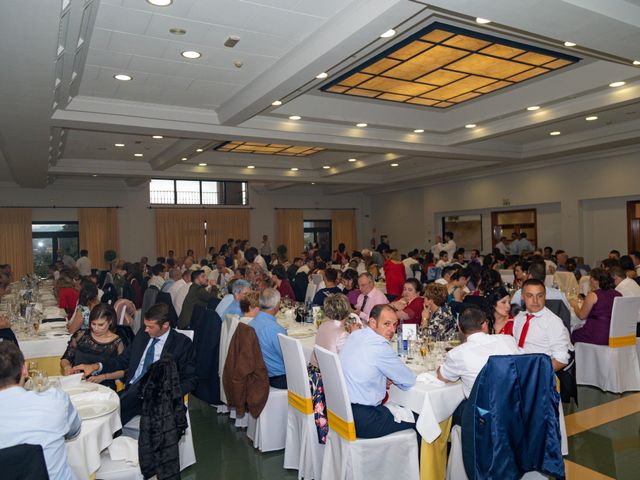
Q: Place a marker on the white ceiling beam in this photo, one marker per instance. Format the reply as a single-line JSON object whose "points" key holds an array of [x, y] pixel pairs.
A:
{"points": [[173, 154]]}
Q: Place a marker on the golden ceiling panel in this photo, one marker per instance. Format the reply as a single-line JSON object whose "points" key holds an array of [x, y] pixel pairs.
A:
{"points": [[442, 65], [237, 146]]}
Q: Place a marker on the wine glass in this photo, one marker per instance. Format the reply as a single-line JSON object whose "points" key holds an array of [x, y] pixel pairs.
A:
{"points": [[33, 368]]}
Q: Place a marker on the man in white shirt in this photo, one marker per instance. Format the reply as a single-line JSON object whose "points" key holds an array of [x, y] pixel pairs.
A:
{"points": [[538, 330], [537, 270], [369, 297], [525, 244], [448, 245], [157, 280], [46, 418], [502, 246], [635, 258], [221, 274], [514, 246], [181, 292], [445, 276], [409, 262], [175, 275], [83, 264], [307, 267], [465, 361], [626, 286], [443, 260]]}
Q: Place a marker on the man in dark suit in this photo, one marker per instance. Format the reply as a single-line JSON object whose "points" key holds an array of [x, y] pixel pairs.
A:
{"points": [[156, 340]]}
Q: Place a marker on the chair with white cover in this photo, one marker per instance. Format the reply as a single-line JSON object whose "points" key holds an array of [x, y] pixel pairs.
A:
{"points": [[302, 451], [348, 457], [269, 431], [613, 367]]}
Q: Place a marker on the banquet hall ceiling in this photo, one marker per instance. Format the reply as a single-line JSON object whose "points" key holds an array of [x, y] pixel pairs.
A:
{"points": [[64, 111]]}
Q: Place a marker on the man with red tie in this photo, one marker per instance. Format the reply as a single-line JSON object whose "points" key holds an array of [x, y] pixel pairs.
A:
{"points": [[538, 330]]}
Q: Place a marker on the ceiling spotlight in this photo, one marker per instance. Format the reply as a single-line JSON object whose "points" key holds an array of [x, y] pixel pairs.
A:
{"points": [[636, 62], [533, 108], [238, 63], [361, 125], [202, 164], [138, 154], [277, 103], [295, 117], [470, 125], [553, 134], [313, 183], [294, 169], [251, 166], [591, 118], [418, 130], [94, 175], [199, 150], [191, 54], [394, 164], [119, 144], [353, 160], [388, 34], [177, 31], [617, 84], [326, 167], [569, 44], [160, 3], [482, 21], [184, 159], [231, 41], [157, 136], [122, 77], [322, 75]]}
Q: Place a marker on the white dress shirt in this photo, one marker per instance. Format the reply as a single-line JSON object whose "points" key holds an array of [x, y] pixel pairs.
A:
{"points": [[157, 281], [465, 361], [550, 294], [628, 288], [83, 264], [449, 247], [157, 352], [374, 297], [226, 276], [262, 262], [181, 294], [175, 288], [547, 334]]}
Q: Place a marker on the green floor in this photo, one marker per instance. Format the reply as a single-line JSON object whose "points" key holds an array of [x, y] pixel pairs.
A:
{"points": [[224, 451]]}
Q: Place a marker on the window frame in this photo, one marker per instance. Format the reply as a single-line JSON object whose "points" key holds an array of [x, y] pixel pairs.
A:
{"points": [[222, 193]]}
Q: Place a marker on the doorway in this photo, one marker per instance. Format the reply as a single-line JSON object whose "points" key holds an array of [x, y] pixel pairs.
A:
{"points": [[633, 225], [318, 232]]}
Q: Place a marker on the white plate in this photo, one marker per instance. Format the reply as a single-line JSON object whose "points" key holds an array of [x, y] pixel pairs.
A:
{"points": [[88, 410]]}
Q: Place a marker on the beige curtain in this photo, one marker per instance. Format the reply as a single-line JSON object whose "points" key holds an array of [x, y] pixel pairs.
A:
{"points": [[224, 223], [343, 229], [98, 233], [15, 240], [290, 231]]}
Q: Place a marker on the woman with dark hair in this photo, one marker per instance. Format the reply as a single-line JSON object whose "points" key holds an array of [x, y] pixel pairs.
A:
{"points": [[489, 280], [497, 307], [455, 287], [437, 318], [340, 256], [409, 307], [87, 299], [596, 309], [134, 278], [519, 274], [626, 263], [350, 284], [96, 344]]}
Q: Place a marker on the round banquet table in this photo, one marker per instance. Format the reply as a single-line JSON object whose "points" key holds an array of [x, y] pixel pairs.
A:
{"points": [[95, 435]]}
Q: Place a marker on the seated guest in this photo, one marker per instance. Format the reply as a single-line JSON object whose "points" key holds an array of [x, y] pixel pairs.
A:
{"points": [[220, 275], [96, 344], [409, 307], [281, 282], [437, 318], [497, 304], [538, 330], [157, 340], [87, 299], [369, 365], [68, 290], [596, 309], [46, 418], [489, 280], [443, 259], [175, 275], [330, 279], [626, 263], [239, 290], [200, 293], [369, 297], [625, 285], [157, 276], [537, 270], [465, 361], [293, 268], [267, 330], [331, 335], [349, 283], [395, 275], [445, 275], [250, 306], [519, 274], [456, 286]]}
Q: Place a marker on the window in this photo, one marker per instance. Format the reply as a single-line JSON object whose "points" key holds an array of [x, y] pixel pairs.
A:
{"points": [[197, 192], [48, 238], [317, 233], [514, 222]]}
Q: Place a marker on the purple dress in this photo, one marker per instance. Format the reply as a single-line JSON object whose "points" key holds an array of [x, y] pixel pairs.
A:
{"points": [[596, 330]]}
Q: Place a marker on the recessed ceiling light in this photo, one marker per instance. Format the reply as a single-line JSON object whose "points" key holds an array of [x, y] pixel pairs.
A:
{"points": [[160, 3], [231, 41], [388, 34], [553, 134], [199, 150], [138, 154], [202, 164], [294, 169], [184, 159], [418, 130], [636, 62], [591, 118], [482, 21], [394, 164], [119, 144], [277, 103], [177, 31], [123, 77], [533, 108], [191, 54], [569, 44], [251, 166], [470, 125], [322, 75], [313, 183], [94, 175], [326, 167], [295, 117], [617, 84], [157, 136], [361, 125], [353, 160]]}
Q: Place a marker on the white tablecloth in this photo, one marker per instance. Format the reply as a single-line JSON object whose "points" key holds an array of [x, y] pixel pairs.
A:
{"points": [[95, 435], [52, 341]]}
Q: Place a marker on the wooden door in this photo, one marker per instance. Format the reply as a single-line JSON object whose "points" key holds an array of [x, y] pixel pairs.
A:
{"points": [[633, 225]]}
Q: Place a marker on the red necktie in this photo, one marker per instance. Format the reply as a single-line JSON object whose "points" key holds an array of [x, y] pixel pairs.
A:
{"points": [[525, 329]]}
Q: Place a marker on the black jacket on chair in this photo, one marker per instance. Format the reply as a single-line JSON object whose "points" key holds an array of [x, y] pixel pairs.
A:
{"points": [[164, 297], [206, 324]]}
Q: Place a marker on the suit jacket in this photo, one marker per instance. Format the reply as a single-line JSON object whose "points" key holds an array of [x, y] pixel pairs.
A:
{"points": [[197, 295], [177, 345]]}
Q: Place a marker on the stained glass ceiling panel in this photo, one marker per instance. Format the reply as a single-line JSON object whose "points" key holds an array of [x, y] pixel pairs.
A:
{"points": [[267, 149]]}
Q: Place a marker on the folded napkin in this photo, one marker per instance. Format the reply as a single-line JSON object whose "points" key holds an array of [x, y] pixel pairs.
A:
{"points": [[70, 380], [427, 377], [400, 413], [92, 397], [124, 448]]}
